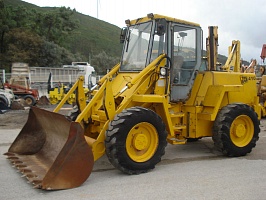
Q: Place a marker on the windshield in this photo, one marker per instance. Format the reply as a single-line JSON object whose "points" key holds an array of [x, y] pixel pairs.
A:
{"points": [[136, 47]]}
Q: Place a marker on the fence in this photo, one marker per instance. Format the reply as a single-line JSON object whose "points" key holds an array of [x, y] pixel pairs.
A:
{"points": [[63, 75]]}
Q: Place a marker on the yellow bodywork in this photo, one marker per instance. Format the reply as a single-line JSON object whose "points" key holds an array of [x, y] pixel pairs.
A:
{"points": [[157, 16], [211, 92], [191, 119]]}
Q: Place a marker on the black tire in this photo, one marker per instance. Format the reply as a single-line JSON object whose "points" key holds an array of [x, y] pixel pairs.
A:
{"points": [[73, 114], [236, 130], [3, 101], [30, 100], [123, 135]]}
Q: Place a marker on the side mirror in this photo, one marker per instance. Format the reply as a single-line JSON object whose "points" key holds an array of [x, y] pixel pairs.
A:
{"points": [[123, 34], [182, 34]]}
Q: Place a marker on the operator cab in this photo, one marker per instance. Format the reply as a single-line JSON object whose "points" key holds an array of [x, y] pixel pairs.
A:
{"points": [[147, 38]]}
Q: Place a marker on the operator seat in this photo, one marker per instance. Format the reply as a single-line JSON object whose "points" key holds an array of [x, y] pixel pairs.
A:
{"points": [[177, 65]]}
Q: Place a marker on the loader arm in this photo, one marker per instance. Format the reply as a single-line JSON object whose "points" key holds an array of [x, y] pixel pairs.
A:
{"points": [[233, 60], [103, 106], [143, 73]]}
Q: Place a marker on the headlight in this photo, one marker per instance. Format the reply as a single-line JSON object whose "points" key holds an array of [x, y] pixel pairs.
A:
{"points": [[163, 71]]}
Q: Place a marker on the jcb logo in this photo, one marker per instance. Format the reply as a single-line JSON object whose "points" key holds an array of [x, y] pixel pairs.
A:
{"points": [[243, 79]]}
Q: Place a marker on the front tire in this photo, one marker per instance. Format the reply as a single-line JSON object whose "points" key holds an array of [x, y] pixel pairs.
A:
{"points": [[236, 130], [3, 101], [135, 140]]}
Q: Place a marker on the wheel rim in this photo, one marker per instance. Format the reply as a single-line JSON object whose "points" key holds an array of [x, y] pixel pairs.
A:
{"points": [[142, 142], [28, 101], [242, 130]]}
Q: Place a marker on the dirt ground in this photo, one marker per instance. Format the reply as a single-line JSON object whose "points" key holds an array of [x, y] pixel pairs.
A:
{"points": [[15, 119]]}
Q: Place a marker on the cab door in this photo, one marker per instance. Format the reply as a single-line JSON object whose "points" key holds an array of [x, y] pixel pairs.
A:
{"points": [[186, 60]]}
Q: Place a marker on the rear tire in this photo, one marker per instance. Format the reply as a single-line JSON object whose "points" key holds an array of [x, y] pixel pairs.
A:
{"points": [[29, 100], [236, 130], [135, 140]]}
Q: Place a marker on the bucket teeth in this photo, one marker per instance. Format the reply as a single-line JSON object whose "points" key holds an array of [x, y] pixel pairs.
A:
{"points": [[16, 162], [31, 175], [37, 186], [9, 154], [37, 183], [25, 171], [19, 166], [12, 158]]}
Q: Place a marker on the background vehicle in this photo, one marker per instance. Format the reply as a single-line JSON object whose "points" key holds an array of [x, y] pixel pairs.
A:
{"points": [[57, 93], [158, 93], [87, 71], [20, 84], [6, 96]]}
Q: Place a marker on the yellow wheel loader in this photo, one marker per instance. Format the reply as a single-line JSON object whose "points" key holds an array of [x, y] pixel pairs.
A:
{"points": [[160, 92]]}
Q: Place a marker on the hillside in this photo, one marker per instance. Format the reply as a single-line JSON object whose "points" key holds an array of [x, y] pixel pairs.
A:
{"points": [[92, 36]]}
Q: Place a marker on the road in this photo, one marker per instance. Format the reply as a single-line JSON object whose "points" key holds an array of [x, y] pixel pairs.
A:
{"points": [[192, 171]]}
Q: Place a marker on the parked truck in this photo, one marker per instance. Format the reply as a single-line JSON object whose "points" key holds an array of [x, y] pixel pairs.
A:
{"points": [[86, 70]]}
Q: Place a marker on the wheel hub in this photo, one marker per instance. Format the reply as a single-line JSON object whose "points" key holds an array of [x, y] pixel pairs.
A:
{"points": [[240, 130], [140, 141]]}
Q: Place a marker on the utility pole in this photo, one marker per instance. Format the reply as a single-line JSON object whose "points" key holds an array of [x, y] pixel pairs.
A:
{"points": [[97, 10]]}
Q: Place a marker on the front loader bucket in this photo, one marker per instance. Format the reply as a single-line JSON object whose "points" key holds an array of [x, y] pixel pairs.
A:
{"points": [[51, 151]]}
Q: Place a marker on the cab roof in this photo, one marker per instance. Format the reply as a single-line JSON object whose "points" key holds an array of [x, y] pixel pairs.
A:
{"points": [[151, 16]]}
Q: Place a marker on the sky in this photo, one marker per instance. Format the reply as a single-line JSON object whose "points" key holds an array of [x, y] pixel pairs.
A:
{"points": [[236, 19]]}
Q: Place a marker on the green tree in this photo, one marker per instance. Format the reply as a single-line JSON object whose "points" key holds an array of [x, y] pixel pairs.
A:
{"points": [[55, 25], [34, 37], [102, 62], [53, 55], [6, 23], [24, 46]]}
